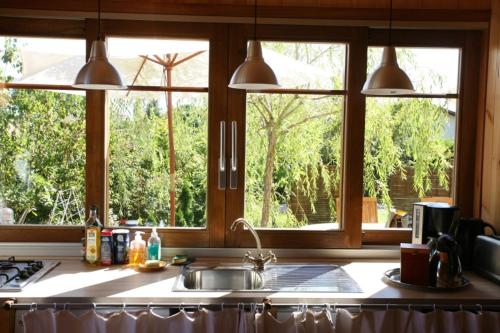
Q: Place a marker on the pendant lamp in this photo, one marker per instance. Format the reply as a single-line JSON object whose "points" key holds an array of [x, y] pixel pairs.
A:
{"points": [[388, 79], [98, 73], [254, 73]]}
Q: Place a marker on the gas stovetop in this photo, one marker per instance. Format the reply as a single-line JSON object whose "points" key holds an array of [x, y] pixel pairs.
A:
{"points": [[16, 274]]}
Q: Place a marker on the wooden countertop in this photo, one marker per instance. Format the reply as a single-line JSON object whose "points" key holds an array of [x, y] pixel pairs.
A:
{"points": [[75, 282]]}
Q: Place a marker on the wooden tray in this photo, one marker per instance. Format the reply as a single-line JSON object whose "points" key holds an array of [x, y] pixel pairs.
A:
{"points": [[393, 276]]}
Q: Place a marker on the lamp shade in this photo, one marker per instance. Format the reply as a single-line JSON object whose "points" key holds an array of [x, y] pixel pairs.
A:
{"points": [[388, 79], [98, 73], [254, 73]]}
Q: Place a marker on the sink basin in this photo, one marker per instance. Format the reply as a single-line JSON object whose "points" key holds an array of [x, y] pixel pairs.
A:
{"points": [[287, 278], [221, 278]]}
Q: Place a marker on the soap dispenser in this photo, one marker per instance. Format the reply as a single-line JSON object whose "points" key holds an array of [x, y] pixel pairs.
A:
{"points": [[154, 246], [137, 251]]}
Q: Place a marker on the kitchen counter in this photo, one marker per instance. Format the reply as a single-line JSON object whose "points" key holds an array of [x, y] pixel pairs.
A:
{"points": [[75, 282]]}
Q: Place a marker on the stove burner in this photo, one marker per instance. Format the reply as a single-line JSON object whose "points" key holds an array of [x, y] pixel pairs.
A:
{"points": [[14, 274]]}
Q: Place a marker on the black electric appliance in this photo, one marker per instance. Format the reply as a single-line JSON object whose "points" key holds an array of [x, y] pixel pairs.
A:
{"points": [[487, 257], [431, 219]]}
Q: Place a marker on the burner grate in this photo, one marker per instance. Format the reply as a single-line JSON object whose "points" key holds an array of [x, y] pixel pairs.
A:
{"points": [[15, 274]]}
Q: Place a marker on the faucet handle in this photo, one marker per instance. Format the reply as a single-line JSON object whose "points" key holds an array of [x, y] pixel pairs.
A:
{"points": [[272, 256], [248, 258]]}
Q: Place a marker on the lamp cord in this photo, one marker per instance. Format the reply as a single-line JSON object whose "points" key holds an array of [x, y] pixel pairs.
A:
{"points": [[99, 19], [255, 20], [390, 25]]}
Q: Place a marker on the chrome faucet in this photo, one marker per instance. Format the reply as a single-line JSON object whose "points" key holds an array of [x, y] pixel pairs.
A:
{"points": [[258, 261]]}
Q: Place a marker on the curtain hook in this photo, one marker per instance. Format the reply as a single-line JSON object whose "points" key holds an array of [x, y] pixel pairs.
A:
{"points": [[409, 307], [148, 307], [480, 308], [200, 307], [360, 307], [65, 306], [55, 306], [222, 306], [124, 305], [181, 307], [32, 306], [94, 306]]}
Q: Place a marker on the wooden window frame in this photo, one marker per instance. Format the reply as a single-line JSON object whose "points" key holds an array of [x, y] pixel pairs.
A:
{"points": [[97, 134], [349, 236], [227, 51], [471, 45]]}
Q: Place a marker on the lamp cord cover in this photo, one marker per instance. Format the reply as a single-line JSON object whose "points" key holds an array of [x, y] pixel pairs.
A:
{"points": [[254, 20], [99, 37], [390, 24]]}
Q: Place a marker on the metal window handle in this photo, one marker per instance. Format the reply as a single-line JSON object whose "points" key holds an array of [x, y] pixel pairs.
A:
{"points": [[222, 156], [233, 173]]}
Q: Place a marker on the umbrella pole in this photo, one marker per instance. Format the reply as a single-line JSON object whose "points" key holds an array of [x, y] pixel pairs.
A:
{"points": [[171, 148]]}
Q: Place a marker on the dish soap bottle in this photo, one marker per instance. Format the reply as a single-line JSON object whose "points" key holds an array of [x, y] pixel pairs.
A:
{"points": [[137, 251], [93, 237], [154, 246]]}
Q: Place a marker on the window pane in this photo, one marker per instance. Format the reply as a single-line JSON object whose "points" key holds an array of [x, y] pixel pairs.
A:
{"points": [[42, 134], [409, 157], [42, 60], [293, 156], [149, 61], [42, 173], [306, 65], [139, 174], [431, 70]]}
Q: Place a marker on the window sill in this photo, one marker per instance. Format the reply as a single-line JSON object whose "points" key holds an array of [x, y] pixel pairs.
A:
{"points": [[34, 249]]}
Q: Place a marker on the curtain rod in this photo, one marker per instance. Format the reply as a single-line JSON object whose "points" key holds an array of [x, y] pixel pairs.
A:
{"points": [[12, 305]]}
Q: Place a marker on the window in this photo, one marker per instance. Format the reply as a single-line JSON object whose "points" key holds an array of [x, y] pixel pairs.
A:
{"points": [[410, 142], [42, 132], [151, 131], [302, 177], [294, 140]]}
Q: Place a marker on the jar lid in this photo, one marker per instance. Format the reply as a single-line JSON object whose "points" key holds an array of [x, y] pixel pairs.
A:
{"points": [[120, 231], [106, 232]]}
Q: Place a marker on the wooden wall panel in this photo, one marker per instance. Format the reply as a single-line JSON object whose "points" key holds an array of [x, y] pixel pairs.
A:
{"points": [[341, 9], [490, 208], [481, 105]]}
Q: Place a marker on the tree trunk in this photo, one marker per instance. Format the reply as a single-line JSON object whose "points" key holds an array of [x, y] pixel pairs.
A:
{"points": [[268, 174]]}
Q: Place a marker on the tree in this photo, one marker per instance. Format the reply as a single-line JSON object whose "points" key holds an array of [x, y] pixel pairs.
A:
{"points": [[293, 142], [284, 116]]}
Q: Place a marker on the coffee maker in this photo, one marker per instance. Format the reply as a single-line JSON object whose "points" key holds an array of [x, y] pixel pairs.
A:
{"points": [[431, 220]]}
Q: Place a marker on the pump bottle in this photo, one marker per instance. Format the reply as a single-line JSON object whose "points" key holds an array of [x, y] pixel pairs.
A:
{"points": [[154, 246], [137, 251]]}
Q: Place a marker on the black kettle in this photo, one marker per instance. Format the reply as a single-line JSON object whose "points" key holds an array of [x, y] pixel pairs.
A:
{"points": [[465, 231]]}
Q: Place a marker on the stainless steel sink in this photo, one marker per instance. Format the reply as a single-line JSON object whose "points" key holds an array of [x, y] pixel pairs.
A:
{"points": [[288, 278], [220, 278]]}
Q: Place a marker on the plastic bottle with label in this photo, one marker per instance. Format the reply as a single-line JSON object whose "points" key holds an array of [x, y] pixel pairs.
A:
{"points": [[137, 251], [154, 246]]}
